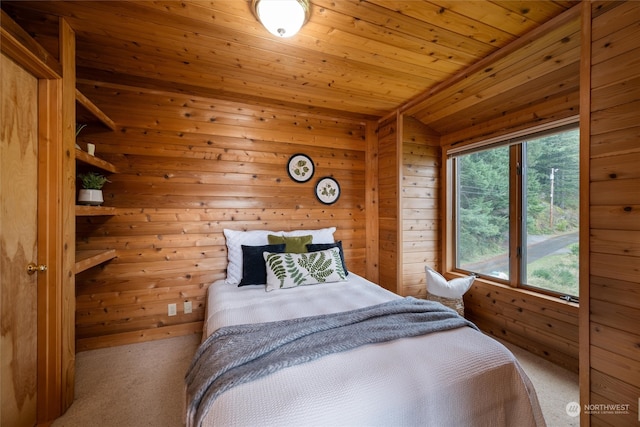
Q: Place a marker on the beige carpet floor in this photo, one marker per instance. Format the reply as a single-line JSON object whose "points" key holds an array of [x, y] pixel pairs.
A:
{"points": [[555, 386], [142, 385]]}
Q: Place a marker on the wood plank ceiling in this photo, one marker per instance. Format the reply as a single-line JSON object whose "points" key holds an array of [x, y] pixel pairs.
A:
{"points": [[354, 58]]}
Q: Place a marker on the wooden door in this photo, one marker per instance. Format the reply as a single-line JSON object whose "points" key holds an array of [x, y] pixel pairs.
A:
{"points": [[18, 231]]}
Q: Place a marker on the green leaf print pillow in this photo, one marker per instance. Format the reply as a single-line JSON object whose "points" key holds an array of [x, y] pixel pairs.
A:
{"points": [[290, 269]]}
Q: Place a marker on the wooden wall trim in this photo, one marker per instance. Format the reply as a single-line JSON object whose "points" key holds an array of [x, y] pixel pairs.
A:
{"points": [[558, 304], [549, 113], [399, 205], [446, 211], [49, 248], [483, 141], [68, 196], [18, 45], [371, 201], [584, 237]]}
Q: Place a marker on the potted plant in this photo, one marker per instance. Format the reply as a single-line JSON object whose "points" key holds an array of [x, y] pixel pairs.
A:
{"points": [[91, 193]]}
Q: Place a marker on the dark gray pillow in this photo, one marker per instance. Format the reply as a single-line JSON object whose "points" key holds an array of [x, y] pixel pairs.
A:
{"points": [[315, 247], [254, 270]]}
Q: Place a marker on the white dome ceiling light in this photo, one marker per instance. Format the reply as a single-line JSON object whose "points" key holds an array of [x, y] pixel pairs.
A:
{"points": [[282, 18]]}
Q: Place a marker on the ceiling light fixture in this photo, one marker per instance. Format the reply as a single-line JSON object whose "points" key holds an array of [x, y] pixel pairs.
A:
{"points": [[282, 18]]}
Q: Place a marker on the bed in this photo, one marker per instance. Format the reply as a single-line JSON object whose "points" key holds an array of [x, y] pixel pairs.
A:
{"points": [[456, 377]]}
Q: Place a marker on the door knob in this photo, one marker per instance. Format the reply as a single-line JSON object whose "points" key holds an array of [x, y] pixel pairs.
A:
{"points": [[33, 268]]}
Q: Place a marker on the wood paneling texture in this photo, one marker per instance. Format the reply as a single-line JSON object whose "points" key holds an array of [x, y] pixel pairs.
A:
{"points": [[408, 170], [388, 193], [614, 282], [534, 80], [364, 58], [543, 326], [189, 167], [420, 220], [68, 197]]}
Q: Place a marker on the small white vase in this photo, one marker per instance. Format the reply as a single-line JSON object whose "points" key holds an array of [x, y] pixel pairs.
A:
{"points": [[90, 197]]}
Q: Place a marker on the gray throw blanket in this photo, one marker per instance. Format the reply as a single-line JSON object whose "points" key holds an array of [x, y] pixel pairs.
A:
{"points": [[235, 355]]}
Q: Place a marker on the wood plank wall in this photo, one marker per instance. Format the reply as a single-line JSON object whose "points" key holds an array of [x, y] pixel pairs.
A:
{"points": [[189, 167], [420, 213], [67, 297], [541, 325], [614, 303], [388, 193], [409, 168]]}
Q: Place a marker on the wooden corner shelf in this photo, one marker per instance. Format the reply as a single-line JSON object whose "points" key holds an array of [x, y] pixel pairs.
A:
{"points": [[84, 210], [88, 111], [97, 162], [90, 258]]}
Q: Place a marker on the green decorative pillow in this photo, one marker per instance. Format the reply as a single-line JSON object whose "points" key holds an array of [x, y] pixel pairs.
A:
{"points": [[294, 244], [314, 247], [294, 269]]}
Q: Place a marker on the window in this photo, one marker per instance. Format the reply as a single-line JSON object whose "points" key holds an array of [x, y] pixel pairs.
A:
{"points": [[516, 208]]}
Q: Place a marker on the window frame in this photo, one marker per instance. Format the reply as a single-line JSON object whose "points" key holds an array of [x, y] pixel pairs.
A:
{"points": [[517, 193]]}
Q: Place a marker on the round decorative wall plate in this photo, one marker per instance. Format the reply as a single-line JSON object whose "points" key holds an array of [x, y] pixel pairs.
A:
{"points": [[300, 167], [327, 190]]}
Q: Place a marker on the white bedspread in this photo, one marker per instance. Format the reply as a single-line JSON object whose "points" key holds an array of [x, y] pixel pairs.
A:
{"points": [[453, 378]]}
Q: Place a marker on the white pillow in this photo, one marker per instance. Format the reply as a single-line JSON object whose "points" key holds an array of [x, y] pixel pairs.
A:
{"points": [[439, 286], [237, 238], [321, 235], [288, 270]]}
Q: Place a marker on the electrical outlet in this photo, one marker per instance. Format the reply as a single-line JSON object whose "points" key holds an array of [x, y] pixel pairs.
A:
{"points": [[188, 308], [172, 310]]}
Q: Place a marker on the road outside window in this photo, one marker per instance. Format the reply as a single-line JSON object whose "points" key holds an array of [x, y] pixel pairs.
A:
{"points": [[552, 200]]}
